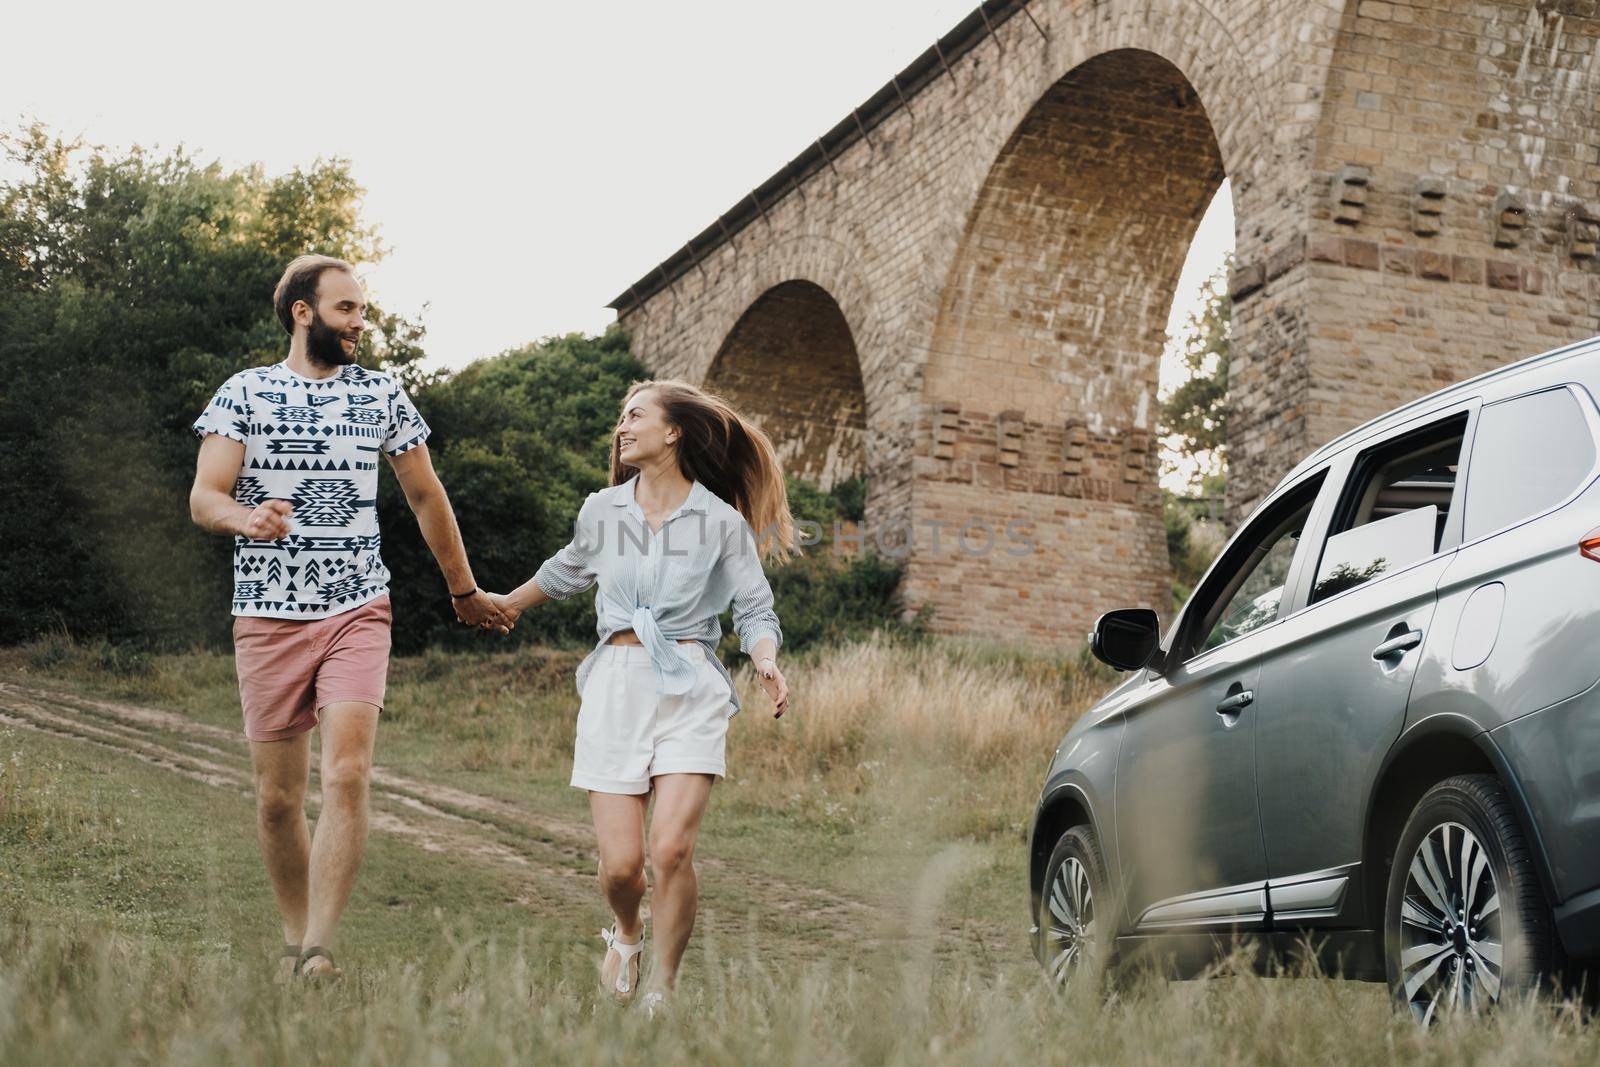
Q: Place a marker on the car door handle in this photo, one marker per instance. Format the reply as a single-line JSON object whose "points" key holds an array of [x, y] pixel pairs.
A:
{"points": [[1236, 703], [1396, 645]]}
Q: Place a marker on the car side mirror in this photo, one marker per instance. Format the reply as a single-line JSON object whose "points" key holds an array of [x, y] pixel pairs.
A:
{"points": [[1128, 639]]}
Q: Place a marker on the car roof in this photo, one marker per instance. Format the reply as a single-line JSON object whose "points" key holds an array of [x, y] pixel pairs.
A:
{"points": [[1400, 414]]}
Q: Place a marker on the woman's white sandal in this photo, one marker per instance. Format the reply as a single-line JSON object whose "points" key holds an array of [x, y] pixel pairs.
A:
{"points": [[626, 953], [654, 1003]]}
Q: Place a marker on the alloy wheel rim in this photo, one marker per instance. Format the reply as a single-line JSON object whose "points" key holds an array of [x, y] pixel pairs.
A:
{"points": [[1070, 945], [1452, 949]]}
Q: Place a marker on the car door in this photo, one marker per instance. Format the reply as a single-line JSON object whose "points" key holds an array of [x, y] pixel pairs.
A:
{"points": [[1187, 821], [1347, 654]]}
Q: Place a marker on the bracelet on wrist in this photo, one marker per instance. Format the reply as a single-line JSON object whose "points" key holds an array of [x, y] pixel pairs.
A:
{"points": [[469, 592]]}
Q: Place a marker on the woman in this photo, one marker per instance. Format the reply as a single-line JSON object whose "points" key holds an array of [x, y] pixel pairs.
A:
{"points": [[671, 544]]}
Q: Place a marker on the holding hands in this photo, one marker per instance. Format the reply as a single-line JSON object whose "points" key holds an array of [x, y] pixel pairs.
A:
{"points": [[483, 610], [508, 611]]}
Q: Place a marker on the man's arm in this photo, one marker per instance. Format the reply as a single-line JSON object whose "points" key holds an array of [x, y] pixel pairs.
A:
{"points": [[211, 503], [431, 505]]}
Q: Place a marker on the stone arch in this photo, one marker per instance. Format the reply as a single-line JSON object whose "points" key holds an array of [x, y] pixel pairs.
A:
{"points": [[790, 362], [1044, 359], [822, 261], [1059, 292], [1258, 141]]}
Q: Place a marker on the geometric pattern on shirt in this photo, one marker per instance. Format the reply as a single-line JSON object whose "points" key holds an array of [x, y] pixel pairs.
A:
{"points": [[292, 413], [363, 416], [292, 447], [258, 464], [249, 490], [326, 502], [313, 443], [345, 588]]}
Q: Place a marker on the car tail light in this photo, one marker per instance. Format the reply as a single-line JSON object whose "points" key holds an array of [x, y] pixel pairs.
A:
{"points": [[1589, 547]]}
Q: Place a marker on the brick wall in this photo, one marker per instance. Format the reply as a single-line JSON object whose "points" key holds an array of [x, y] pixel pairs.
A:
{"points": [[1455, 162]]}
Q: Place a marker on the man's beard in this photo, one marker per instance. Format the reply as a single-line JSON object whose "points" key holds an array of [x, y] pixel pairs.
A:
{"points": [[325, 345]]}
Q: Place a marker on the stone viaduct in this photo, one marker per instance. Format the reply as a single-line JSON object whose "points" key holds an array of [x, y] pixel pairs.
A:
{"points": [[961, 290]]}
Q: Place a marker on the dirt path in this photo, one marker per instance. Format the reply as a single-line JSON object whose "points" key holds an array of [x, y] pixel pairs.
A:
{"points": [[551, 856]]}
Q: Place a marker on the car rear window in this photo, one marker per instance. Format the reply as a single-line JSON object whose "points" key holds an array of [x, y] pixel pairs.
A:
{"points": [[1528, 455], [1394, 511]]}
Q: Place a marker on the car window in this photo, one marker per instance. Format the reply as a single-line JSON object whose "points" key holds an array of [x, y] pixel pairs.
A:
{"points": [[1528, 455], [1385, 545], [1256, 602], [1245, 590], [1395, 508]]}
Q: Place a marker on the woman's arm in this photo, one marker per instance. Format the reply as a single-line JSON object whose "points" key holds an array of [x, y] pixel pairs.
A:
{"points": [[525, 596], [530, 594], [766, 651], [754, 619], [567, 573]]}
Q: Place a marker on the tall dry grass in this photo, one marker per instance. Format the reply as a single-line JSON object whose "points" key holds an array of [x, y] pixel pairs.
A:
{"points": [[83, 996], [945, 710]]}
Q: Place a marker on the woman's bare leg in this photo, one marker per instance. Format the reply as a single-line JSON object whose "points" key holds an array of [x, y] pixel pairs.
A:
{"points": [[619, 830], [680, 803]]}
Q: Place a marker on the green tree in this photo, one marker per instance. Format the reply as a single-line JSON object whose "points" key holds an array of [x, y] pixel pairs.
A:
{"points": [[1194, 424], [132, 285], [1194, 415], [519, 441]]}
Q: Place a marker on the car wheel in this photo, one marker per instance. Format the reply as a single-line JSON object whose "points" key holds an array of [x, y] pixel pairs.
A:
{"points": [[1071, 929], [1465, 920]]}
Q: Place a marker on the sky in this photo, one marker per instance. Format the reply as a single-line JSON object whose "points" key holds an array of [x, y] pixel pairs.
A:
{"points": [[524, 163]]}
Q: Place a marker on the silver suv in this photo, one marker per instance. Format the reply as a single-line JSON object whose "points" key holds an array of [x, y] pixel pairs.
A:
{"points": [[1377, 721]]}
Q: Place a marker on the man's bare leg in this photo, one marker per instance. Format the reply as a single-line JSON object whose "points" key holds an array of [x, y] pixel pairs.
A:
{"points": [[281, 769], [619, 830], [674, 828], [349, 729]]}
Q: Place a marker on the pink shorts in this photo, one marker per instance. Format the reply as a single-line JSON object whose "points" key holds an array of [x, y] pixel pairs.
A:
{"points": [[290, 669]]}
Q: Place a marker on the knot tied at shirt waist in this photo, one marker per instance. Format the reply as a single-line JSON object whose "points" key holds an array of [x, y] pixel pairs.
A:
{"points": [[674, 673]]}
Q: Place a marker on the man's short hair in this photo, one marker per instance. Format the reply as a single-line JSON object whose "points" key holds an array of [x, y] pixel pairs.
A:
{"points": [[299, 282]]}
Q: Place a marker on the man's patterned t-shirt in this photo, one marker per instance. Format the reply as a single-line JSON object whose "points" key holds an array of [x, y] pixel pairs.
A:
{"points": [[314, 443]]}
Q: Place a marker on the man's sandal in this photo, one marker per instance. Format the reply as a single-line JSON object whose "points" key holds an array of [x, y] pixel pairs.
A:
{"points": [[627, 952], [316, 976]]}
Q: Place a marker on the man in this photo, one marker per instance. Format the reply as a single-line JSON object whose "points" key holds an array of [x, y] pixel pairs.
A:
{"points": [[289, 466]]}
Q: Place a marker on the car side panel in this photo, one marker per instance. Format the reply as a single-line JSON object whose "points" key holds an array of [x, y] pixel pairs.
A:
{"points": [[1083, 769], [1334, 714], [1187, 817], [1542, 644], [1518, 626], [1555, 754]]}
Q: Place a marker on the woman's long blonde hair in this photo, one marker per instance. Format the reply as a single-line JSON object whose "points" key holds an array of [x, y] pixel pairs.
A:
{"points": [[728, 454]]}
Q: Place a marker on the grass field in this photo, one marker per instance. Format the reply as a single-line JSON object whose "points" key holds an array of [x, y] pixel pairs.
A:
{"points": [[862, 872]]}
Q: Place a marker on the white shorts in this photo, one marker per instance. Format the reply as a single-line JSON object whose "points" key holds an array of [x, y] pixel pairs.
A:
{"points": [[628, 733]]}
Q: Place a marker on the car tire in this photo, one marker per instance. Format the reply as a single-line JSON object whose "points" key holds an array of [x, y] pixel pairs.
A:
{"points": [[1465, 919], [1074, 910]]}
